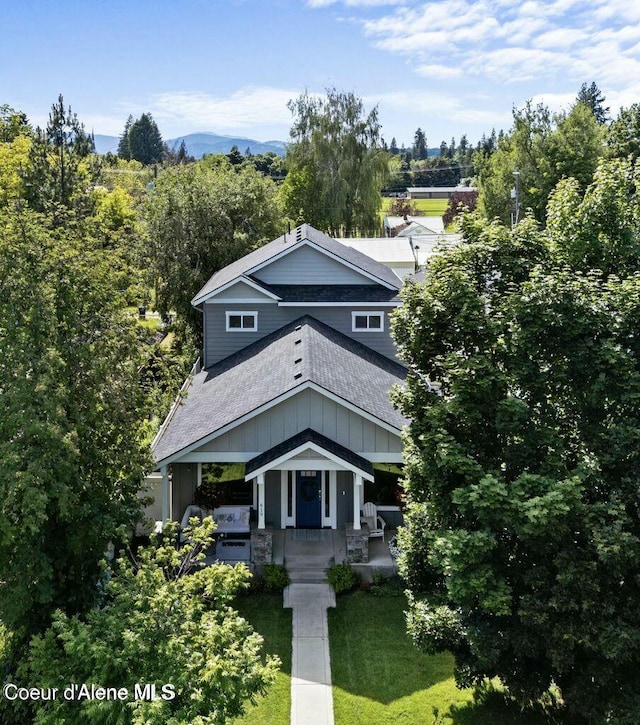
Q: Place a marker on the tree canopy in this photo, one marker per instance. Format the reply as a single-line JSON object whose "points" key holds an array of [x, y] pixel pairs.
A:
{"points": [[522, 543], [543, 149], [593, 98], [163, 620], [12, 124], [71, 442], [61, 171], [336, 164], [623, 135], [141, 141], [201, 217]]}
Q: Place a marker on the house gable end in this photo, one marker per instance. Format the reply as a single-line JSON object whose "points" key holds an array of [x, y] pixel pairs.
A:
{"points": [[240, 291], [307, 264]]}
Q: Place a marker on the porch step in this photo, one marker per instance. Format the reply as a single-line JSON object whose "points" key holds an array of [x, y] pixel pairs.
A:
{"points": [[307, 575], [305, 568]]}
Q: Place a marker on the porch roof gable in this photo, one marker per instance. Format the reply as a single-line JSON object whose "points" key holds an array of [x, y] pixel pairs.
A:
{"points": [[305, 440]]}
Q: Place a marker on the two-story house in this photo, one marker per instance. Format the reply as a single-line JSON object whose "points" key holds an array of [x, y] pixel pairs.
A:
{"points": [[294, 381]]}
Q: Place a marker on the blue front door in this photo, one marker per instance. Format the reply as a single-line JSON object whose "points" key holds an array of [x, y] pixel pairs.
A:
{"points": [[308, 500]]}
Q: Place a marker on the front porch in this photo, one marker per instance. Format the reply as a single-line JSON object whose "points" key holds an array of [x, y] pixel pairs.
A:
{"points": [[299, 502]]}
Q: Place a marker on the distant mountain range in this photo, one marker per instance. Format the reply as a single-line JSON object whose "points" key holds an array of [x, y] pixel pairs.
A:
{"points": [[199, 144]]}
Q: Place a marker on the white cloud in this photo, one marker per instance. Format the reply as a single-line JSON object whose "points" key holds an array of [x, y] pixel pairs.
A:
{"points": [[548, 41], [246, 108], [555, 102], [439, 72], [418, 100], [560, 38]]}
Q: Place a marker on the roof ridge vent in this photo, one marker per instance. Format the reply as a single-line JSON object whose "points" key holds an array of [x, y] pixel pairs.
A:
{"points": [[299, 233]]}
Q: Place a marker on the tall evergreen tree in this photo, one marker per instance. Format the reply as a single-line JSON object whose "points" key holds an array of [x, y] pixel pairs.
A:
{"points": [[143, 141], [419, 149], [60, 172], [124, 152], [593, 98]]}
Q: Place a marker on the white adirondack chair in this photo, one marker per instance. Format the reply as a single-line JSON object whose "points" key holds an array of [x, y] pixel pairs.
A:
{"points": [[374, 521]]}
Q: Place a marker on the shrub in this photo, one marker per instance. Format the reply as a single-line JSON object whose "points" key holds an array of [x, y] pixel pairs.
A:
{"points": [[275, 577], [343, 578], [392, 585]]}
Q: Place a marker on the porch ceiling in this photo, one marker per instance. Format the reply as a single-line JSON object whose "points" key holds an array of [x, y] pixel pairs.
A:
{"points": [[302, 441]]}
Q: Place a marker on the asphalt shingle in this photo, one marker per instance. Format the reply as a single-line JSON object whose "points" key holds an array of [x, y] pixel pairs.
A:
{"points": [[304, 351]]}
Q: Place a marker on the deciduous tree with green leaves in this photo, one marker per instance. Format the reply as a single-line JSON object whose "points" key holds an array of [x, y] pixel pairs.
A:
{"points": [[72, 442], [12, 124], [623, 135], [200, 218], [166, 620], [337, 165], [522, 544], [543, 149]]}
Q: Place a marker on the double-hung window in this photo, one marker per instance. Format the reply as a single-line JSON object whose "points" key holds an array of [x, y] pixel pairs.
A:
{"points": [[242, 321], [367, 321]]}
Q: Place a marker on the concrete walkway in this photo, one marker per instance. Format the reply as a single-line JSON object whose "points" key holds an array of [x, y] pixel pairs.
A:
{"points": [[311, 696]]}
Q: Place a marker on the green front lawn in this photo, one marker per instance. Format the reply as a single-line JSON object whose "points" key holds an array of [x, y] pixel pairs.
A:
{"points": [[379, 677], [265, 613]]}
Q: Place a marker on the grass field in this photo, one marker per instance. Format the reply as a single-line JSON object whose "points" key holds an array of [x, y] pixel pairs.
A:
{"points": [[426, 207], [267, 616], [379, 677]]}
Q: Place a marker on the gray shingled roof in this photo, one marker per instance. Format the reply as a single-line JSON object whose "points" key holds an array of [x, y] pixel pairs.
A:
{"points": [[366, 293], [308, 436], [267, 369], [244, 265]]}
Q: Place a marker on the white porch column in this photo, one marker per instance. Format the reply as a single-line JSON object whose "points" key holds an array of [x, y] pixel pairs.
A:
{"points": [[166, 493], [260, 482], [357, 496]]}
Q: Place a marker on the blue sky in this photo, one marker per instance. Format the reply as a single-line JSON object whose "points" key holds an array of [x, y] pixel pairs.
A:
{"points": [[230, 66]]}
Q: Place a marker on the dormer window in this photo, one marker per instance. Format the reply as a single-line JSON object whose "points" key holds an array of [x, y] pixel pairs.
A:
{"points": [[367, 321], [242, 321]]}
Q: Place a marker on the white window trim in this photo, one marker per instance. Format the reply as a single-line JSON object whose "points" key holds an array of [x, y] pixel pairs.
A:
{"points": [[368, 313], [242, 313]]}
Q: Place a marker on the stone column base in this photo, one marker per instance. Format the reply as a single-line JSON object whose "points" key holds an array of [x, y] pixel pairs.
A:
{"points": [[357, 545], [262, 546]]}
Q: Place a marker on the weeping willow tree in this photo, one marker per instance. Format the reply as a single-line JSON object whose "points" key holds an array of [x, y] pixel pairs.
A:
{"points": [[337, 164]]}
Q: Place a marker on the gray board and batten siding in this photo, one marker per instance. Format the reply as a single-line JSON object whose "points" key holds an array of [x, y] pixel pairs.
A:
{"points": [[308, 266], [219, 344], [307, 409]]}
